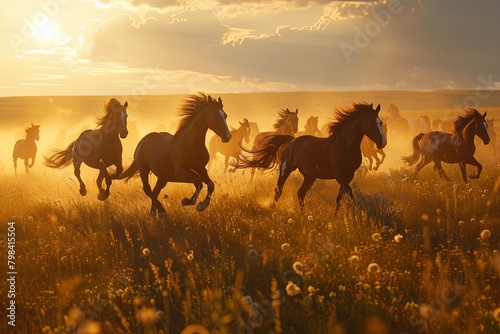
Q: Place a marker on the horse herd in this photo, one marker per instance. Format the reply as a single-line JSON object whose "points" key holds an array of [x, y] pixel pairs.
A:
{"points": [[334, 152]]}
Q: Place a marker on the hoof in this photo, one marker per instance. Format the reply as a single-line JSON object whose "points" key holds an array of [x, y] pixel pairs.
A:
{"points": [[102, 196], [201, 206], [187, 201], [83, 191]]}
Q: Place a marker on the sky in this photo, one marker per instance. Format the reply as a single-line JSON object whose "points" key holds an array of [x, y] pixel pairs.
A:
{"points": [[141, 47]]}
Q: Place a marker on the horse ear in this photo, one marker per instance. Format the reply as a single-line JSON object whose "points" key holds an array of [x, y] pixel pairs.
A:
{"points": [[378, 108], [484, 116], [240, 123], [296, 111], [371, 106], [32, 125], [220, 100], [287, 111], [209, 98], [126, 104]]}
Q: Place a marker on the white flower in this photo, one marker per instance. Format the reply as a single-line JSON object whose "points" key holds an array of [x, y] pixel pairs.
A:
{"points": [[385, 229], [376, 236], [486, 234], [354, 259], [292, 289], [398, 237], [496, 314], [373, 267], [252, 254], [298, 267], [190, 256], [285, 246], [145, 251]]}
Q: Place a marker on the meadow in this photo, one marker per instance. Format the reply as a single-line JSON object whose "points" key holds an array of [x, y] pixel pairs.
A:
{"points": [[406, 256]]}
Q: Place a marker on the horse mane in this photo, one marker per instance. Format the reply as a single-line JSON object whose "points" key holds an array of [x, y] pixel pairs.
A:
{"points": [[462, 121], [282, 117], [192, 108], [101, 120], [344, 115]]}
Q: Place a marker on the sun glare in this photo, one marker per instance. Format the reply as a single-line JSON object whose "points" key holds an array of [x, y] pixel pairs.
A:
{"points": [[47, 32]]}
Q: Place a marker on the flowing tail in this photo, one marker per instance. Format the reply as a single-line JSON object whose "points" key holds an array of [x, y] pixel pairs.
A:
{"points": [[129, 173], [60, 158], [265, 155], [416, 154]]}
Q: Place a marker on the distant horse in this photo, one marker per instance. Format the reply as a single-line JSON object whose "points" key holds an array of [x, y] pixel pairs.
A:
{"points": [[335, 157], [311, 128], [370, 150], [451, 147], [397, 125], [181, 157], [421, 124], [254, 130], [286, 124], [99, 148], [26, 148], [232, 148]]}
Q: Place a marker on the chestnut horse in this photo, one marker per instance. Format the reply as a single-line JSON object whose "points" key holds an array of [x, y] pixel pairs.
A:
{"points": [[99, 148], [371, 152], [26, 148], [336, 157], [456, 147], [181, 157]]}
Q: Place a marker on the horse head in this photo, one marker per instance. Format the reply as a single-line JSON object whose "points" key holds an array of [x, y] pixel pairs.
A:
{"points": [[118, 117], [216, 119], [292, 120], [373, 127], [246, 130], [35, 131], [481, 127]]}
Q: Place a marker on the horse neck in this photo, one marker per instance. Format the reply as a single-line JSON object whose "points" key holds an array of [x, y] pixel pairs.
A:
{"points": [[109, 131], [30, 137], [195, 132], [469, 133], [349, 136], [285, 129], [238, 134]]}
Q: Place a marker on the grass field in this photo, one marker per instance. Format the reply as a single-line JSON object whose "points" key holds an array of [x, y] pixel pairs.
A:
{"points": [[406, 256]]}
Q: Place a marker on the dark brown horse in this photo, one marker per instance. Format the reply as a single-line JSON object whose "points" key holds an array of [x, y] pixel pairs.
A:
{"points": [[335, 157], [181, 157], [370, 150], [286, 124], [232, 148], [26, 148], [455, 147], [99, 148]]}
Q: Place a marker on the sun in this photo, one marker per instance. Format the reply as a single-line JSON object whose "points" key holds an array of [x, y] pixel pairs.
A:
{"points": [[47, 32]]}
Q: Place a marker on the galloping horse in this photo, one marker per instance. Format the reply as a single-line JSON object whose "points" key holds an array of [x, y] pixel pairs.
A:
{"points": [[181, 157], [26, 148], [397, 125], [335, 157], [99, 148], [286, 124], [232, 147], [455, 147], [311, 128], [371, 152]]}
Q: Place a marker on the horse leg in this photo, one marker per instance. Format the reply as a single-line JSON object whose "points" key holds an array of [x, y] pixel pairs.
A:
{"points": [[463, 170], [306, 185], [210, 189], [26, 166], [32, 162], [144, 174], [160, 184], [190, 176], [370, 161], [103, 175], [284, 174], [377, 162], [77, 162], [15, 165], [226, 162], [119, 170], [439, 169], [382, 154], [342, 191], [421, 165], [472, 161], [252, 173]]}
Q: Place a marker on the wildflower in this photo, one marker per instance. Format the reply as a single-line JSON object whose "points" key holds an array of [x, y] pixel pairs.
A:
{"points": [[385, 229], [290, 220], [285, 247], [461, 223], [252, 254], [298, 267], [373, 267], [30, 218], [145, 251], [486, 234], [249, 205], [438, 211], [147, 316], [310, 218], [255, 318], [496, 314], [311, 289], [190, 256], [62, 229], [425, 311], [354, 259], [90, 327], [75, 317], [376, 236], [292, 289], [473, 220], [425, 217], [398, 237]]}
